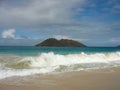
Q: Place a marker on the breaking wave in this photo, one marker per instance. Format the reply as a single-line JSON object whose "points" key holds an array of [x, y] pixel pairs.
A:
{"points": [[50, 62]]}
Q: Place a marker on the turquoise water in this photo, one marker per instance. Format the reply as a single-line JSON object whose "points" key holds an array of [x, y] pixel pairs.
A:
{"points": [[33, 51], [23, 61]]}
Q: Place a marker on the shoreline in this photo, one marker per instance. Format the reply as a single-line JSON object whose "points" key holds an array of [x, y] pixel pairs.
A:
{"points": [[102, 79]]}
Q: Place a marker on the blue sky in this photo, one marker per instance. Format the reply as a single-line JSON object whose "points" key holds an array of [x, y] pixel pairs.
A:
{"points": [[92, 22]]}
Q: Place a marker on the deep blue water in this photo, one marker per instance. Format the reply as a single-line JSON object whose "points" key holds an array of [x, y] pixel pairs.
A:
{"points": [[33, 51]]}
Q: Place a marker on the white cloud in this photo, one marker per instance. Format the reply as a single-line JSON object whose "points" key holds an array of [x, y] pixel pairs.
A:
{"points": [[38, 12], [8, 33], [61, 37]]}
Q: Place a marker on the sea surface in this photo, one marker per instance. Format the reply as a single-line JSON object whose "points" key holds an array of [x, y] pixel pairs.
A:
{"points": [[28, 60]]}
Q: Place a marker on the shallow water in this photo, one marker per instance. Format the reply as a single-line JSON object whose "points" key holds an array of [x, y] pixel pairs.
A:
{"points": [[23, 61]]}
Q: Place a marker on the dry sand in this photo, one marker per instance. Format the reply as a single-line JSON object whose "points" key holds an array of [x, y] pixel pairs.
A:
{"points": [[104, 79]]}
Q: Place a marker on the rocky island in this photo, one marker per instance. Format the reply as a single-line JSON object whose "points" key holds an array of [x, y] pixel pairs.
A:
{"points": [[52, 42], [118, 46]]}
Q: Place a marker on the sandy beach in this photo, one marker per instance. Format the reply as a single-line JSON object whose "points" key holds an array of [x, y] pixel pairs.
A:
{"points": [[102, 79]]}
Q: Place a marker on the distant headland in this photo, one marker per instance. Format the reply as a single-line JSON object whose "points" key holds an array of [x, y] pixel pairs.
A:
{"points": [[52, 42], [118, 46]]}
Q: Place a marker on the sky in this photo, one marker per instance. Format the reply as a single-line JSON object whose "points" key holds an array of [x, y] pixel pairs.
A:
{"points": [[28, 22]]}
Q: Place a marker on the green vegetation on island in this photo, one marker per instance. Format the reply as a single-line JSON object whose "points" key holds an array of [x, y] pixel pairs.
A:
{"points": [[51, 42]]}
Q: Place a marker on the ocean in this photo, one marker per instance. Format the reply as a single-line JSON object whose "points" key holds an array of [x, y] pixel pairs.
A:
{"points": [[30, 60]]}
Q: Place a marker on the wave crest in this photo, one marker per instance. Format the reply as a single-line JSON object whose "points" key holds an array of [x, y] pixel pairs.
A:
{"points": [[51, 59], [50, 62]]}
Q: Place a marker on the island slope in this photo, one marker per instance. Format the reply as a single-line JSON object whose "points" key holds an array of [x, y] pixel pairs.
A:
{"points": [[51, 42], [118, 46]]}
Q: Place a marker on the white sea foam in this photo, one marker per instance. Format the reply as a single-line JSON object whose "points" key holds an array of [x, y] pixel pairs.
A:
{"points": [[50, 62]]}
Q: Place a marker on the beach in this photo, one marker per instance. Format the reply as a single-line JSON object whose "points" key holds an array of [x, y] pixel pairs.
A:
{"points": [[65, 68], [102, 79]]}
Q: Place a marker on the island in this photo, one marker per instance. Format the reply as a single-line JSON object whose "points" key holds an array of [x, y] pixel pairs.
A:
{"points": [[118, 46], [52, 42]]}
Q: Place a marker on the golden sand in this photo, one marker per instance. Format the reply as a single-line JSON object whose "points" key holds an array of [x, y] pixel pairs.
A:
{"points": [[102, 79]]}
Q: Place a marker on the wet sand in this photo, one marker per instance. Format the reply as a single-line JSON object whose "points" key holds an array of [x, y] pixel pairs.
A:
{"points": [[102, 79]]}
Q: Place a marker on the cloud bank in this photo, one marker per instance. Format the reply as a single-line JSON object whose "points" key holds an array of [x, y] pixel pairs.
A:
{"points": [[37, 12], [8, 34]]}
